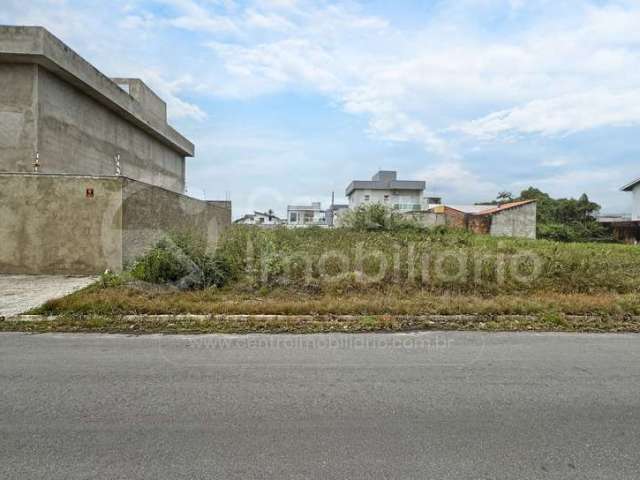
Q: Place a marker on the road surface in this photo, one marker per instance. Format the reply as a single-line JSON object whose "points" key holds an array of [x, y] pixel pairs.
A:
{"points": [[411, 406]]}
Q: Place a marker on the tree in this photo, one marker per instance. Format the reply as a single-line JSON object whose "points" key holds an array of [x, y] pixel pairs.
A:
{"points": [[504, 197], [566, 219]]}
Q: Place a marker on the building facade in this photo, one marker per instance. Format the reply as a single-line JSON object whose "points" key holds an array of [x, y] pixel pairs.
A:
{"points": [[627, 228], [634, 188], [385, 188], [306, 215], [60, 115], [91, 173]]}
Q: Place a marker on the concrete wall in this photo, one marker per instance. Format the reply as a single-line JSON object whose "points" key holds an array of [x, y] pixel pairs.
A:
{"points": [[73, 133], [150, 213], [48, 224], [78, 135], [515, 222], [405, 197], [18, 117], [635, 211], [83, 225], [427, 219], [36, 46], [151, 103]]}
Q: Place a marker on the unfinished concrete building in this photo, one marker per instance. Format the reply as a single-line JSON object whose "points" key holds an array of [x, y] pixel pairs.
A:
{"points": [[91, 174]]}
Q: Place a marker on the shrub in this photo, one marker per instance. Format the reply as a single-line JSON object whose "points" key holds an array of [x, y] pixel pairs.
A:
{"points": [[375, 216], [182, 260], [110, 279]]}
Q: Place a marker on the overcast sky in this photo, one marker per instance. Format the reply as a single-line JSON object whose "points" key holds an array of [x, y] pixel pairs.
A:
{"points": [[288, 100]]}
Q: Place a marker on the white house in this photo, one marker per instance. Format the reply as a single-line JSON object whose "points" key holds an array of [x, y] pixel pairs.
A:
{"points": [[385, 188], [634, 187], [259, 218], [306, 215], [624, 228]]}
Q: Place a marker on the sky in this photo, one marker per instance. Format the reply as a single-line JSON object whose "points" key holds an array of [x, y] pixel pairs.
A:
{"points": [[290, 100]]}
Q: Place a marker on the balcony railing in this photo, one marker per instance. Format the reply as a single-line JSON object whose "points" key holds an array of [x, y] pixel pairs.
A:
{"points": [[407, 207]]}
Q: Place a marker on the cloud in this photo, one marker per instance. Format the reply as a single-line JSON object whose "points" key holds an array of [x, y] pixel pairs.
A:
{"points": [[437, 79], [555, 162], [456, 182], [191, 15], [561, 115], [169, 91]]}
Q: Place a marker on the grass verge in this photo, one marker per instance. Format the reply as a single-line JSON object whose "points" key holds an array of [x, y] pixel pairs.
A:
{"points": [[170, 324]]}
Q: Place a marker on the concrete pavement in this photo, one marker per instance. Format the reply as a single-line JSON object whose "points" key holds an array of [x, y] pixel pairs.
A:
{"points": [[424, 405], [19, 293]]}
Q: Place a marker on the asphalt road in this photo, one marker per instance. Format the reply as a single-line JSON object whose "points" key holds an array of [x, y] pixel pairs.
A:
{"points": [[423, 406]]}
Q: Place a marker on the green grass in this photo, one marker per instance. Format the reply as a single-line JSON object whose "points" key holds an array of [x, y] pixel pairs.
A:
{"points": [[342, 260]]}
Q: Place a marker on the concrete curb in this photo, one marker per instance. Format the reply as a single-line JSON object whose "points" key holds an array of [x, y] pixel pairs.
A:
{"points": [[335, 318]]}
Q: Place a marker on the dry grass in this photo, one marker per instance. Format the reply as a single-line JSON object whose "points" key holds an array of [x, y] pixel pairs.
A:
{"points": [[127, 300]]}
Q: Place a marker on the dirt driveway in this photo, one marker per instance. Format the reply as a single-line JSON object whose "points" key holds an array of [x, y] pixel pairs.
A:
{"points": [[19, 293]]}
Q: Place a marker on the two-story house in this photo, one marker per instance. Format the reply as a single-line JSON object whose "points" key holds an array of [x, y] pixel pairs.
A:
{"points": [[306, 215], [385, 188]]}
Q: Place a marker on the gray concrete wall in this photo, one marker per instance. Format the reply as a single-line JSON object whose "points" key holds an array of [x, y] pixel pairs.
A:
{"points": [[48, 224], [151, 103], [35, 45], [18, 117], [78, 135], [427, 219], [515, 222], [150, 213]]}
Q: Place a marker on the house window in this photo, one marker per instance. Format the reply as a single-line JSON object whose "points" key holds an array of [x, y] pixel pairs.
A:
{"points": [[260, 220], [366, 198], [293, 217], [308, 217], [386, 198]]}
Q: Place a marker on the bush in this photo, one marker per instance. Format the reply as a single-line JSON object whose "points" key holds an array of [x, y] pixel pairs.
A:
{"points": [[181, 260], [375, 216]]}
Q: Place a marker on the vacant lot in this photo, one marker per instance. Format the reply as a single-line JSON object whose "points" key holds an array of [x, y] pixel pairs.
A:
{"points": [[386, 280]]}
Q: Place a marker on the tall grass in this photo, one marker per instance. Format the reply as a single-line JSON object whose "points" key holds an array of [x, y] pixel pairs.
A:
{"points": [[438, 260]]}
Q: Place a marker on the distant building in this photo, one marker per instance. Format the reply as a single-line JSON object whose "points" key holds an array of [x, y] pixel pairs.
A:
{"points": [[627, 229], [515, 219], [262, 219], [385, 188], [306, 215], [634, 187]]}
